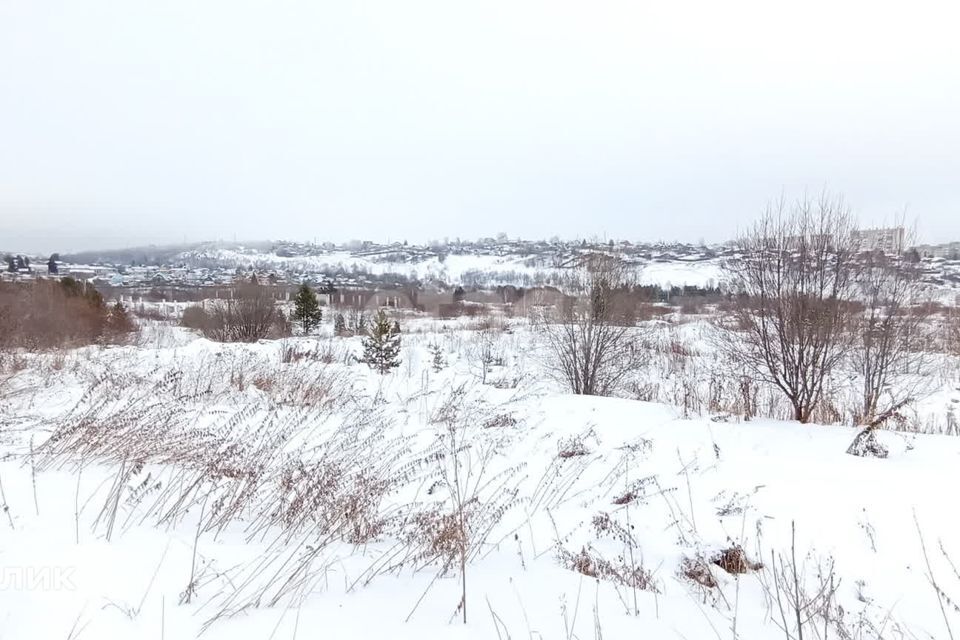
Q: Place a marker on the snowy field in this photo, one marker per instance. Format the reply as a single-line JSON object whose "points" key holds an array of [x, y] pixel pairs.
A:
{"points": [[182, 488]]}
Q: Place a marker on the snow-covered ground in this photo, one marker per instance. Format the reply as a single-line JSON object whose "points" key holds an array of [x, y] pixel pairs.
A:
{"points": [[511, 266], [705, 274], [280, 490], [450, 268], [515, 269]]}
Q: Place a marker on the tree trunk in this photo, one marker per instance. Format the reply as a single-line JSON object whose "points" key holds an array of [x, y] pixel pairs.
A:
{"points": [[798, 414]]}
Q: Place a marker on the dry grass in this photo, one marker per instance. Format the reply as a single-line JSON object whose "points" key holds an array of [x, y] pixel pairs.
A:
{"points": [[637, 492], [697, 570], [500, 421], [323, 351], [572, 447], [619, 571], [734, 560], [305, 465], [286, 450]]}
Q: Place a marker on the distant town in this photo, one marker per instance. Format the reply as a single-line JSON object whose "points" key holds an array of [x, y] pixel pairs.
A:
{"points": [[185, 272]]}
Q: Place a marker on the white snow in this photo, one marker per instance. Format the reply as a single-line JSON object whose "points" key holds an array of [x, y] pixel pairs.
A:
{"points": [[520, 270], [62, 578], [678, 274]]}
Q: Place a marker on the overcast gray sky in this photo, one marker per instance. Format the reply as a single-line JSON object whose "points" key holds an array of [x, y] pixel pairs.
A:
{"points": [[128, 122]]}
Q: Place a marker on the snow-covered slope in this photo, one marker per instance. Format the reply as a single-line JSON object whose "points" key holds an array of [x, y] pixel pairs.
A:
{"points": [[572, 501], [519, 269]]}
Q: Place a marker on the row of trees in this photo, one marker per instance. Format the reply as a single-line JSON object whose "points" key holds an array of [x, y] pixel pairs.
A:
{"points": [[45, 314], [18, 263], [251, 315], [809, 299], [381, 342]]}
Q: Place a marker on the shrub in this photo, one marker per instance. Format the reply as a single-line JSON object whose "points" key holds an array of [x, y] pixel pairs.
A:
{"points": [[195, 317], [249, 316], [281, 327], [648, 311]]}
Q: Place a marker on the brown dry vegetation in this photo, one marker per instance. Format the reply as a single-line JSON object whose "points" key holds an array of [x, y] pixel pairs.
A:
{"points": [[47, 314], [304, 464], [953, 332], [249, 316]]}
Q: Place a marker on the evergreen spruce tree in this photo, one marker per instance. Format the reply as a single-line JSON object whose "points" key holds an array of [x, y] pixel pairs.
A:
{"points": [[306, 309], [439, 361], [381, 346], [339, 325]]}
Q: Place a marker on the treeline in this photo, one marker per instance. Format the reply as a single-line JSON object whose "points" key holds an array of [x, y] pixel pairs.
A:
{"points": [[45, 314]]}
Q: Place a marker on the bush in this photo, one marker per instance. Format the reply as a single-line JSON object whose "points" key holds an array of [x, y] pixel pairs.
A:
{"points": [[281, 327], [647, 312], [195, 317], [249, 316]]}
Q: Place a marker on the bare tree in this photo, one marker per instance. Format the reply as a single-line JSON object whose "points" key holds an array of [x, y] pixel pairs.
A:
{"points": [[484, 353], [591, 338], [247, 317], [795, 280], [889, 332]]}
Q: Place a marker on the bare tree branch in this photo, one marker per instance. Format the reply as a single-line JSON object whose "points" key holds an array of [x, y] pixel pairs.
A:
{"points": [[795, 280], [592, 338]]}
